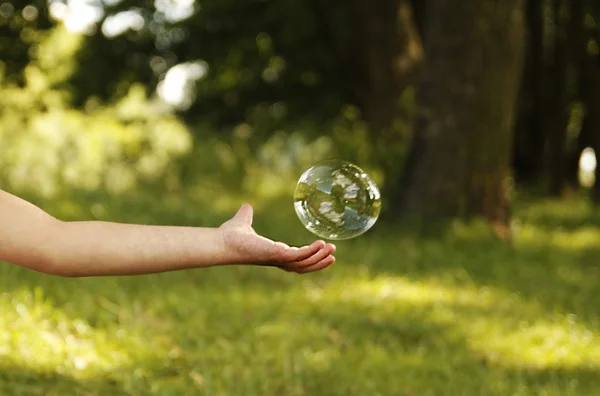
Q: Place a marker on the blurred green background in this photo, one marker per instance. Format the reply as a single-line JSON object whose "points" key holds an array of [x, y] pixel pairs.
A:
{"points": [[479, 120]]}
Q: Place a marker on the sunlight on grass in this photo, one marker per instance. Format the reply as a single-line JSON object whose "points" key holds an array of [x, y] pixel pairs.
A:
{"points": [[497, 325], [584, 237], [382, 290], [542, 344], [559, 210], [37, 335]]}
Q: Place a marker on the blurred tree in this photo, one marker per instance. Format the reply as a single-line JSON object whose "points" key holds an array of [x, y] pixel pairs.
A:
{"points": [[21, 24], [588, 58], [260, 66], [346, 69], [388, 51], [47, 147], [557, 89], [272, 65], [530, 137], [255, 51], [459, 160], [581, 63], [557, 118], [310, 58]]}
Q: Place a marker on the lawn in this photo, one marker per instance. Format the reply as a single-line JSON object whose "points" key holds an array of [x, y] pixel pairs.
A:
{"points": [[396, 315]]}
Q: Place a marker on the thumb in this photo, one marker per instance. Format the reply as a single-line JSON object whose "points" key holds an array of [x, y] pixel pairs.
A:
{"points": [[245, 214]]}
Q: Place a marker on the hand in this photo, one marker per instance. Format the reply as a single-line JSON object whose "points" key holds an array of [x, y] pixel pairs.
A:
{"points": [[246, 246]]}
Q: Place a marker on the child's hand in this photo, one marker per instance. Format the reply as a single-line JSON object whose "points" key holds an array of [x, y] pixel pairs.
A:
{"points": [[247, 247]]}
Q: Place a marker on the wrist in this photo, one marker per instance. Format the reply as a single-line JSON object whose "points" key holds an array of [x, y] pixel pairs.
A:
{"points": [[228, 252]]}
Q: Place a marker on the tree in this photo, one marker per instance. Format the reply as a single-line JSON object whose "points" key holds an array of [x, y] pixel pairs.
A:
{"points": [[388, 52], [530, 136], [560, 96], [315, 56], [459, 162], [22, 22], [588, 58]]}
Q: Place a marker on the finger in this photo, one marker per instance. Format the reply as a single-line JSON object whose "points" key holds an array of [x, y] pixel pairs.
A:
{"points": [[245, 213], [298, 254], [315, 258], [326, 262]]}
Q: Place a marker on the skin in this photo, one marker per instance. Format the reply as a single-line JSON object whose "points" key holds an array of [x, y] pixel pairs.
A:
{"points": [[33, 239]]}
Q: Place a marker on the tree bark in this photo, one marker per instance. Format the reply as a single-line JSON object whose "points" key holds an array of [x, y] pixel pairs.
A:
{"points": [[558, 117], [390, 47], [530, 140], [460, 156]]}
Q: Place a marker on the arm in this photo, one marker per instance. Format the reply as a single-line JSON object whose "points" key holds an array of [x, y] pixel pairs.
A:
{"points": [[33, 239]]}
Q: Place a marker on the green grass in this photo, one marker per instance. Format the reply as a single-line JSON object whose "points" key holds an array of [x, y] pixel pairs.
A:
{"points": [[395, 315]]}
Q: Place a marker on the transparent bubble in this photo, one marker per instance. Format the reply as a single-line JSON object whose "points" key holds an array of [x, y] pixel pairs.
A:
{"points": [[337, 200]]}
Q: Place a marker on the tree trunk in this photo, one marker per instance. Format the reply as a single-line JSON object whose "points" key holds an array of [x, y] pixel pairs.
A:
{"points": [[530, 140], [390, 47], [589, 90], [419, 8], [388, 52], [581, 59], [558, 117], [460, 156]]}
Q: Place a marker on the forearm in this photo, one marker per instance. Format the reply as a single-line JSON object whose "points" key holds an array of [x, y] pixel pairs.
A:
{"points": [[33, 239], [92, 248]]}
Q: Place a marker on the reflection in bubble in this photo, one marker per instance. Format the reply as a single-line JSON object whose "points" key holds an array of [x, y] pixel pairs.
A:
{"points": [[337, 200]]}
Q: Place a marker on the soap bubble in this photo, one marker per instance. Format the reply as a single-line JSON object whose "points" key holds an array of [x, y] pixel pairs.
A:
{"points": [[337, 200]]}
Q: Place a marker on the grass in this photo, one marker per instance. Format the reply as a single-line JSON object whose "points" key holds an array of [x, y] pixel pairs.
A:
{"points": [[396, 315]]}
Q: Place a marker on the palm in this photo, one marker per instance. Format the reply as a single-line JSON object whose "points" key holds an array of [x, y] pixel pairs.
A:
{"points": [[249, 247], [246, 242]]}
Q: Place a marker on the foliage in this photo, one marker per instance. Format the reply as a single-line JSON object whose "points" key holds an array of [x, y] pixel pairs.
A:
{"points": [[21, 25], [46, 145], [256, 52], [133, 137]]}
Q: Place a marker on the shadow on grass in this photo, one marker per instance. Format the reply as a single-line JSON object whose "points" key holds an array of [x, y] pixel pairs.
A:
{"points": [[15, 380], [559, 270], [437, 350]]}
